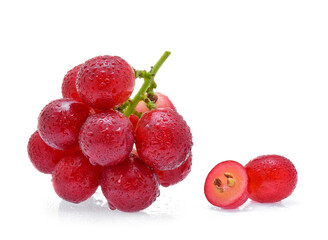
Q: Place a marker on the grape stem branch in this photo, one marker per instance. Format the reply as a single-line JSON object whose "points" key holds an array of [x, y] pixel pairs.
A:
{"points": [[148, 83]]}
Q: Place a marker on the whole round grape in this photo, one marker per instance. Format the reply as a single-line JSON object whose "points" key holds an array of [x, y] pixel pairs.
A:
{"points": [[163, 139], [105, 82], [129, 186], [106, 138], [272, 178], [60, 122], [74, 178]]}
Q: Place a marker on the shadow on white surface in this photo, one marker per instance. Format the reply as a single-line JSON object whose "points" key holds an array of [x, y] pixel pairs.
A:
{"points": [[256, 206], [253, 206], [96, 208]]}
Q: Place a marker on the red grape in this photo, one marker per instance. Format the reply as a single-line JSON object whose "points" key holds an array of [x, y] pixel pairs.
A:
{"points": [[272, 178], [69, 84], [162, 101], [74, 178], [107, 138], [163, 139], [226, 185], [105, 82], [174, 176], [43, 157], [129, 186], [60, 122]]}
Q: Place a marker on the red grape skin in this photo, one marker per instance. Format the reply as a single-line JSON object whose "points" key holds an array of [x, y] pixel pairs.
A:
{"points": [[170, 177], [129, 186], [134, 120], [74, 178], [60, 122], [163, 139], [69, 84], [43, 157], [107, 138], [162, 101], [272, 178], [105, 82]]}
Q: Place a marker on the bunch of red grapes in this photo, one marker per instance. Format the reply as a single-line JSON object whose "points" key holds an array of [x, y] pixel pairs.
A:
{"points": [[87, 138]]}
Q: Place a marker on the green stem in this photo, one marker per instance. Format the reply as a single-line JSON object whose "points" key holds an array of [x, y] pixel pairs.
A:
{"points": [[148, 81], [160, 62]]}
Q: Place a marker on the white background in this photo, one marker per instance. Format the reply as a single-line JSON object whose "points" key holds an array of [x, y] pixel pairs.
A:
{"points": [[249, 77]]}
